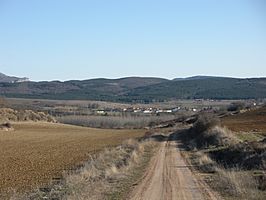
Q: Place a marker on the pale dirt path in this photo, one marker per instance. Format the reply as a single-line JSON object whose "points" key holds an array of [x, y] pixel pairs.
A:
{"points": [[169, 177]]}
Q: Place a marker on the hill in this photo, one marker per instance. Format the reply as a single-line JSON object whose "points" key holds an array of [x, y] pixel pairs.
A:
{"points": [[11, 79], [204, 88], [94, 89], [194, 78], [141, 89]]}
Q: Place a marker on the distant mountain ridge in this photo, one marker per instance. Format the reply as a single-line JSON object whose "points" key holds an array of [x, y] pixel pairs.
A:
{"points": [[196, 78], [139, 89], [11, 79], [204, 88]]}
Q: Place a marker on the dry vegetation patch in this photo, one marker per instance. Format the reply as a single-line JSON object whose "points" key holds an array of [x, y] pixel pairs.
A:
{"points": [[231, 183], [35, 153], [236, 183], [207, 132], [8, 114], [234, 168]]}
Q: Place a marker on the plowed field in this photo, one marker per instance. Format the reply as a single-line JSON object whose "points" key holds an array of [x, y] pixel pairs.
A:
{"points": [[35, 153], [250, 121]]}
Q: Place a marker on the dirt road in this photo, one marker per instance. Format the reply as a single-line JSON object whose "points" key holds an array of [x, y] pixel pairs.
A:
{"points": [[169, 177]]}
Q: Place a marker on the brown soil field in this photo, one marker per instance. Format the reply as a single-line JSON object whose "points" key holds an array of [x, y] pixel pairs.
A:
{"points": [[35, 153], [250, 121]]}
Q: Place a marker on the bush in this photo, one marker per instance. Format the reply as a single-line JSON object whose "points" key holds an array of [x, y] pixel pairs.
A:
{"points": [[219, 136], [205, 122], [6, 127], [248, 156], [207, 132], [204, 163], [236, 106]]}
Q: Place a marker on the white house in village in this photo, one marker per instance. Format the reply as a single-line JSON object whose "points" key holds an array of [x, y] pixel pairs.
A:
{"points": [[147, 111], [100, 112]]}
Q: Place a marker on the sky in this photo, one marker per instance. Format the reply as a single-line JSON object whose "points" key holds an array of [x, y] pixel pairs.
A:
{"points": [[83, 39]]}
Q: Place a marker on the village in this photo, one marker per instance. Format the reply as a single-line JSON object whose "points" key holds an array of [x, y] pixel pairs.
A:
{"points": [[196, 105], [148, 111]]}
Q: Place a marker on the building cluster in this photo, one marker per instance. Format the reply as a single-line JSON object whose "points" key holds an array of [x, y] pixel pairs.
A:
{"points": [[151, 110]]}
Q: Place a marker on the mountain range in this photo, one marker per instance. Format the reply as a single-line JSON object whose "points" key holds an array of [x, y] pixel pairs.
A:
{"points": [[138, 89], [11, 79]]}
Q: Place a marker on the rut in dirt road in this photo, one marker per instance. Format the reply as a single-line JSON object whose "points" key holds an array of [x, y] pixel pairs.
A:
{"points": [[169, 177]]}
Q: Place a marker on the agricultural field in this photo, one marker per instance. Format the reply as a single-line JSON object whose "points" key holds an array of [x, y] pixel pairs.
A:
{"points": [[87, 107], [37, 152], [253, 121]]}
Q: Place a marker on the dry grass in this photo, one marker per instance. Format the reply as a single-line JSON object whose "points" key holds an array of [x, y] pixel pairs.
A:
{"points": [[233, 183], [206, 132], [204, 163], [227, 162], [35, 153], [221, 136], [8, 114], [100, 177], [237, 184]]}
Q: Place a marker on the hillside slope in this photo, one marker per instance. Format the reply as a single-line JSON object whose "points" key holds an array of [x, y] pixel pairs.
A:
{"points": [[140, 89], [96, 89], [11, 79], [207, 88]]}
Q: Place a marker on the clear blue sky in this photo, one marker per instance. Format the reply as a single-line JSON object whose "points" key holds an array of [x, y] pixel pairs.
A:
{"points": [[61, 39]]}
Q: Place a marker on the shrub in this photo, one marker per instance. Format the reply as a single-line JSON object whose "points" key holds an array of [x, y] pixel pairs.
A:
{"points": [[207, 132], [220, 136], [236, 106], [205, 121], [246, 155], [6, 127], [204, 162]]}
